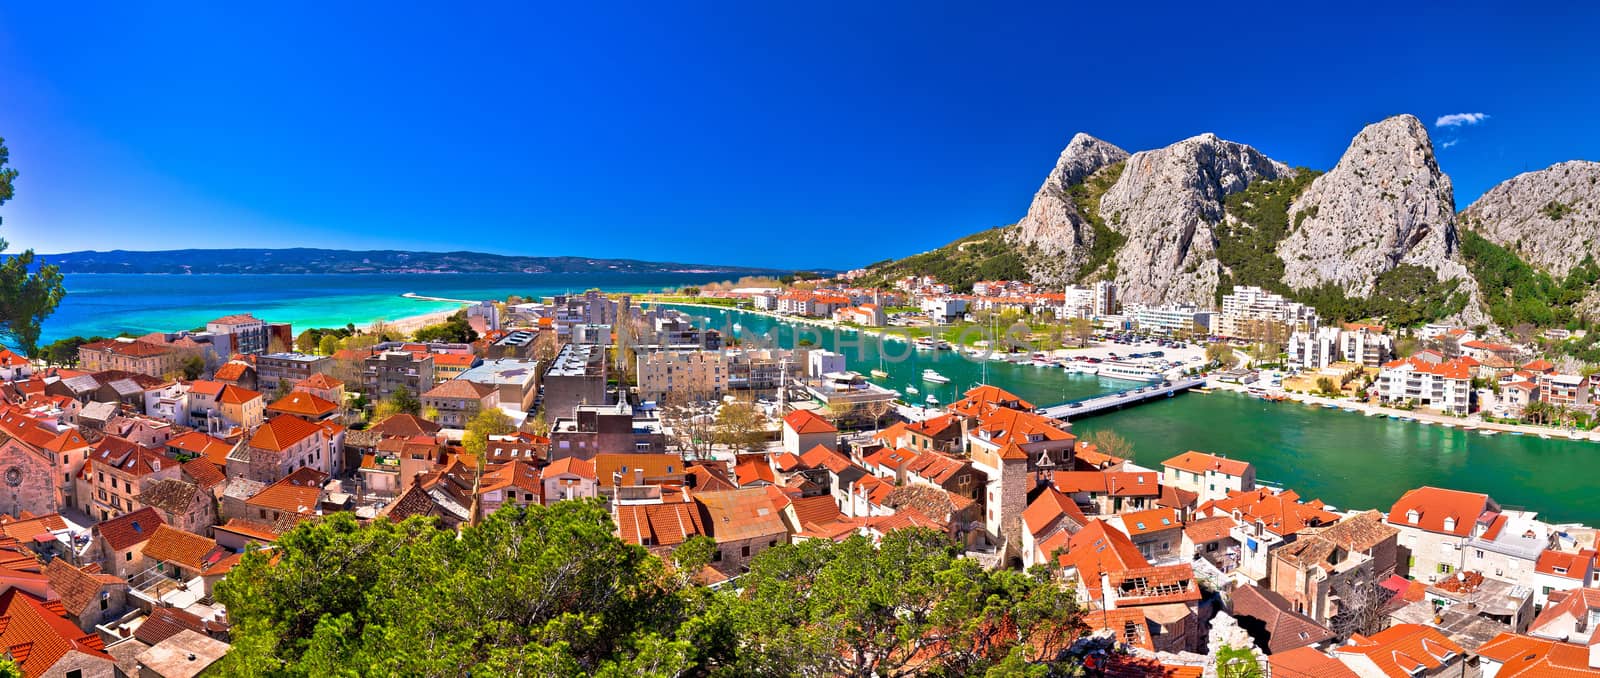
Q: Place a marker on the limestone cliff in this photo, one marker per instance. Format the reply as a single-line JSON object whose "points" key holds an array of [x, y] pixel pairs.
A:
{"points": [[1166, 203], [1385, 204], [1549, 218], [1054, 231]]}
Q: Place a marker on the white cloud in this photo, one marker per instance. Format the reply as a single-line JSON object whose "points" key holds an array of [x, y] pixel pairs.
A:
{"points": [[1457, 119], [1449, 143]]}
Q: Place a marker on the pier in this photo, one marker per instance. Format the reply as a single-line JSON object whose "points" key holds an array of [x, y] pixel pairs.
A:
{"points": [[1112, 401]]}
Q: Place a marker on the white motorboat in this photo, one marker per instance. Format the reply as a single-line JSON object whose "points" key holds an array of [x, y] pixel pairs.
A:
{"points": [[935, 377], [912, 390], [1117, 369], [932, 401], [879, 374]]}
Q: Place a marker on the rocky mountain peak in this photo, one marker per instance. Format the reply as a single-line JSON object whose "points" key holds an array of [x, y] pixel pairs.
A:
{"points": [[1054, 227], [1385, 204], [1166, 203], [1550, 218]]}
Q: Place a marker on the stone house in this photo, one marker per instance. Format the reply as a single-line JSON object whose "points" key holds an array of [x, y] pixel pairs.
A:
{"points": [[278, 447], [90, 598], [118, 544], [1435, 526], [182, 504], [743, 523]]}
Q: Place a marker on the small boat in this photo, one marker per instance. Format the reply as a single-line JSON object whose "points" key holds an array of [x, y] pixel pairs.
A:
{"points": [[1350, 409], [924, 343], [1488, 432], [1329, 406], [932, 401], [1374, 413], [1544, 436], [1409, 420], [879, 374], [1424, 422], [1447, 425], [1516, 433], [911, 389], [1576, 435], [935, 377]]}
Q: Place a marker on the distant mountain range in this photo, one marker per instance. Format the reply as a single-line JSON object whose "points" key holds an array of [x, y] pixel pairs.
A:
{"points": [[310, 260]]}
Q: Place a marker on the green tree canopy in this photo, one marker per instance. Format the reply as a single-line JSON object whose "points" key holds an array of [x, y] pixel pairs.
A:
{"points": [[29, 293]]}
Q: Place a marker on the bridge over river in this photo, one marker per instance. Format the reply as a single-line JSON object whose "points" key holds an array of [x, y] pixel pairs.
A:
{"points": [[1077, 409]]}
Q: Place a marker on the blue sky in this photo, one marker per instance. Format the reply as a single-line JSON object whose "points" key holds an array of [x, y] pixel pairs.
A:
{"points": [[787, 134]]}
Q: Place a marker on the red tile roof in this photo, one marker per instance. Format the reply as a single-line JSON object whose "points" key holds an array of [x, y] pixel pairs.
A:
{"points": [[1139, 523], [37, 634], [1099, 548], [736, 515], [1528, 657], [232, 372], [172, 545], [1204, 462], [1047, 510], [319, 381], [282, 432], [1570, 565], [667, 524], [117, 453], [1436, 505], [1279, 512], [1403, 649], [237, 395], [129, 529], [1112, 483], [297, 493], [303, 404], [1308, 663], [806, 421]]}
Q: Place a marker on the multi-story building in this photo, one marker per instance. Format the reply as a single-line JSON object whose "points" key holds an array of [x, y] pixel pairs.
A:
{"points": [[1249, 312], [130, 355], [458, 400], [517, 380], [577, 377], [1171, 318], [279, 447], [1365, 345], [1089, 301], [117, 473], [1435, 526], [701, 373], [245, 332], [385, 373], [1509, 548], [1445, 386], [1208, 475], [597, 429], [273, 368]]}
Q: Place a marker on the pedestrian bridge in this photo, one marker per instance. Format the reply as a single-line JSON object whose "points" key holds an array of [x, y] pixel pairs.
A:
{"points": [[1077, 409]]}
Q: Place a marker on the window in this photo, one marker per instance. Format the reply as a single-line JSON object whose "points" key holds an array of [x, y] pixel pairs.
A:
{"points": [[128, 556], [1478, 553], [744, 551]]}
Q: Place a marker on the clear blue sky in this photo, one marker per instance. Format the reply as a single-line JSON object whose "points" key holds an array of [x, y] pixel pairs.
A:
{"points": [[784, 134]]}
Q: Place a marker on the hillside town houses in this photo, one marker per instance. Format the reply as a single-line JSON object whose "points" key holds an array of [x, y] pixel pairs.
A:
{"points": [[139, 485]]}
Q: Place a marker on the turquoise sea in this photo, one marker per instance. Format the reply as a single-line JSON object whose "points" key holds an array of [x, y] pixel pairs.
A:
{"points": [[106, 304], [1345, 459]]}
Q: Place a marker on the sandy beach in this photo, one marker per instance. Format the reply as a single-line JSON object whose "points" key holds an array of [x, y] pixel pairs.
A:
{"points": [[412, 323]]}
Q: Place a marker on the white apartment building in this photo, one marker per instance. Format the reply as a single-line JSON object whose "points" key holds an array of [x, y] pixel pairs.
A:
{"points": [[1171, 318], [1365, 345], [1445, 386], [1083, 301], [1246, 303]]}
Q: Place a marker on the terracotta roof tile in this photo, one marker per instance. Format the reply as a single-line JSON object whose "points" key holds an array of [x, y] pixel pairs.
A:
{"points": [[806, 421], [129, 529], [172, 545]]}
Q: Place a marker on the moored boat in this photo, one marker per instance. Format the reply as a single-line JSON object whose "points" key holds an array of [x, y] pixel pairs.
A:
{"points": [[879, 374], [935, 377]]}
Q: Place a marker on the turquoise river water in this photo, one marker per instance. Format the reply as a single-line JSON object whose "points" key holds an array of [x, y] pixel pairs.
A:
{"points": [[1348, 460]]}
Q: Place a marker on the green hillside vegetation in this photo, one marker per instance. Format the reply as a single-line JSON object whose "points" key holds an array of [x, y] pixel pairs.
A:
{"points": [[1407, 296], [1517, 293], [980, 256], [1086, 196], [1247, 244]]}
